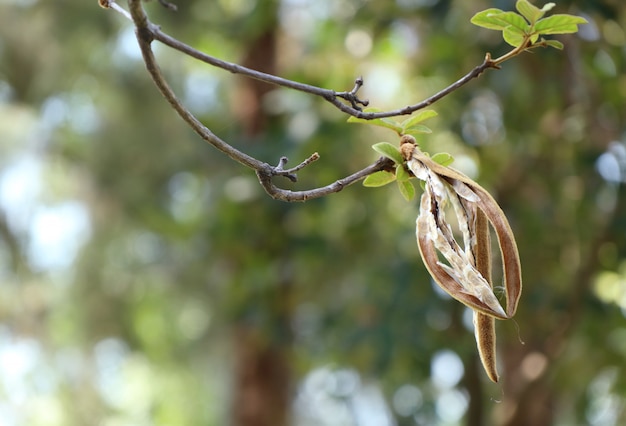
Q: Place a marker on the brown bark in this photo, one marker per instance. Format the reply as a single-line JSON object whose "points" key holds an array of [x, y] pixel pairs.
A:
{"points": [[262, 382], [248, 98]]}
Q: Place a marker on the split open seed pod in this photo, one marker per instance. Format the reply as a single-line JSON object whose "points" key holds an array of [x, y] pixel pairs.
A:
{"points": [[461, 279]]}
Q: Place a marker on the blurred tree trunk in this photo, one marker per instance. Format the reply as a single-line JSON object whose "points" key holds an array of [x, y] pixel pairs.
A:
{"points": [[248, 97], [473, 383], [262, 383], [261, 395], [525, 402]]}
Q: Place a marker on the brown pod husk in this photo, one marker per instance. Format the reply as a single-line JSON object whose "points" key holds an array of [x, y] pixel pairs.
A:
{"points": [[506, 241]]}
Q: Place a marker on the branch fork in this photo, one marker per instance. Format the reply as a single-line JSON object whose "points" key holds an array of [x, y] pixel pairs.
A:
{"points": [[290, 174], [352, 97]]}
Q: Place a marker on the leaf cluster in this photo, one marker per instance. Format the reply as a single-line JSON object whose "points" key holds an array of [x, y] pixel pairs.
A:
{"points": [[412, 126], [524, 29], [521, 30]]}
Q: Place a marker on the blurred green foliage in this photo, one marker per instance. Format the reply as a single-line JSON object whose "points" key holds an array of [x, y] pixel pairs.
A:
{"points": [[142, 271]]}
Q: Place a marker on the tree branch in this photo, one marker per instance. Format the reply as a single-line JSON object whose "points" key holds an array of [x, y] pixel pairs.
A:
{"points": [[329, 95], [147, 32], [291, 173], [145, 35], [265, 177]]}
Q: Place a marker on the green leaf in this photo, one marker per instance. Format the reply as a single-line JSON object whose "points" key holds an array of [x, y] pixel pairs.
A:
{"points": [[382, 122], [531, 12], [401, 174], [416, 129], [389, 151], [407, 190], [559, 24], [418, 118], [486, 19], [553, 43], [534, 38], [443, 158], [514, 20], [380, 178], [362, 120], [513, 26], [513, 37]]}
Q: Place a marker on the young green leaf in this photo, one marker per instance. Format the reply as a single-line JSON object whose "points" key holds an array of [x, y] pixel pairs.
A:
{"points": [[513, 37], [380, 178], [382, 122], [487, 19], [514, 22], [389, 151], [553, 43], [416, 129], [401, 174], [495, 19], [443, 158], [407, 190], [534, 38], [418, 118], [531, 12], [559, 24]]}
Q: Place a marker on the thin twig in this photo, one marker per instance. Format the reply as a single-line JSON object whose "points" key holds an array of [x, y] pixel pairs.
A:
{"points": [[327, 94], [168, 5], [110, 4], [291, 173], [352, 97], [265, 177]]}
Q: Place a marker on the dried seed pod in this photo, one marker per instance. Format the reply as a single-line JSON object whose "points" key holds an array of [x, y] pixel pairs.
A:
{"points": [[485, 333], [484, 325], [467, 278], [461, 279]]}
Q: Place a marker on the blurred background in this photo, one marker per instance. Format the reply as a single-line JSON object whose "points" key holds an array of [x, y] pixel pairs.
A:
{"points": [[146, 279]]}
